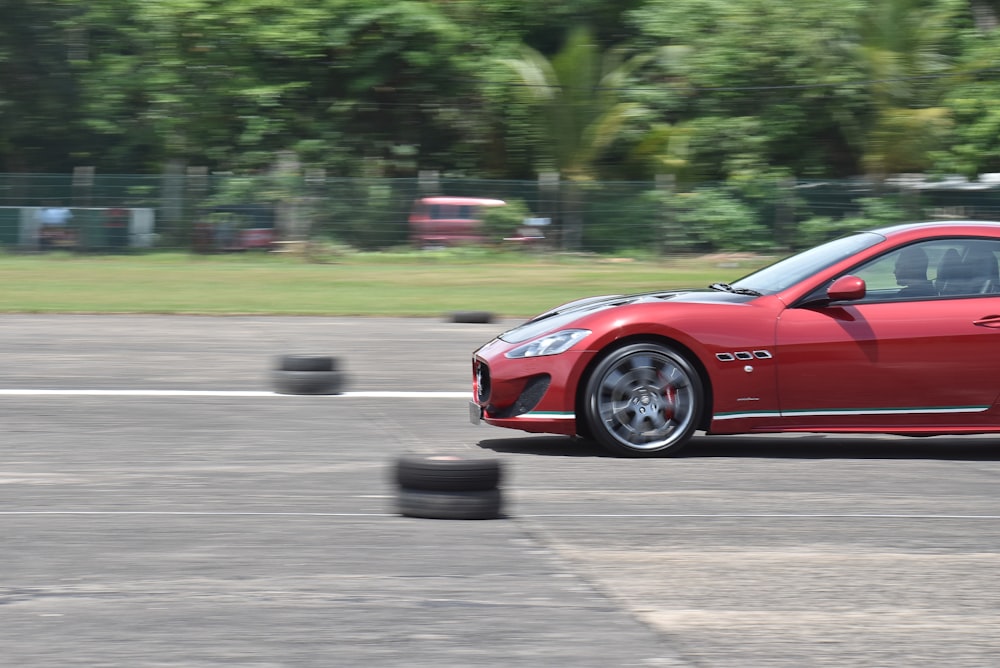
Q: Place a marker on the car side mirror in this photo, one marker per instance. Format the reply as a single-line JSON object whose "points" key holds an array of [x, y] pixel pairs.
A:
{"points": [[846, 289]]}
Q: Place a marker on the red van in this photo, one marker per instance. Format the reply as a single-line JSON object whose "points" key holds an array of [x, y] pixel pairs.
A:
{"points": [[448, 221]]}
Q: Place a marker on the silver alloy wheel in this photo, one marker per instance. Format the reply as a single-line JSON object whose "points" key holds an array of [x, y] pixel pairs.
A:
{"points": [[644, 399]]}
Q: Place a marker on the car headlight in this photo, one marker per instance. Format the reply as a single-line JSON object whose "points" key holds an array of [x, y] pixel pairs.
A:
{"points": [[553, 344]]}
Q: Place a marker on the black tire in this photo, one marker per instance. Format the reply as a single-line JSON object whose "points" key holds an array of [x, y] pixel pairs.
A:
{"points": [[307, 363], [482, 505], [446, 473], [476, 317], [643, 400], [307, 382]]}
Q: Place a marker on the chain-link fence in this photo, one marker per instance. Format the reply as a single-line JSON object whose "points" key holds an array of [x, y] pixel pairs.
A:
{"points": [[205, 212]]}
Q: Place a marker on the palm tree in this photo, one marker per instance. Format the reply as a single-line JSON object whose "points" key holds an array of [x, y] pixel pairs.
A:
{"points": [[579, 92]]}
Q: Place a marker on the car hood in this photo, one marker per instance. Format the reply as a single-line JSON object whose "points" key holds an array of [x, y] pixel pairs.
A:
{"points": [[562, 316]]}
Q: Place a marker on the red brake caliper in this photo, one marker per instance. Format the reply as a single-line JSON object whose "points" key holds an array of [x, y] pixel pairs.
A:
{"points": [[670, 396]]}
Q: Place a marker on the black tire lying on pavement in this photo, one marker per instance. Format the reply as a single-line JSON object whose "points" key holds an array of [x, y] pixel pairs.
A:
{"points": [[447, 473], [307, 363], [307, 382], [479, 505], [477, 317]]}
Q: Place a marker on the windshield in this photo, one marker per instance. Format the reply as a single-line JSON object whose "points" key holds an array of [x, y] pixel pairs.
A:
{"points": [[786, 273]]}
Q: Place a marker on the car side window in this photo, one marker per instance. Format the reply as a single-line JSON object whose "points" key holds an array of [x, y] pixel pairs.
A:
{"points": [[973, 272], [941, 268]]}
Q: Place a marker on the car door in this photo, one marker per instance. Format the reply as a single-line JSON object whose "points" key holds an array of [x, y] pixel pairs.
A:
{"points": [[887, 361]]}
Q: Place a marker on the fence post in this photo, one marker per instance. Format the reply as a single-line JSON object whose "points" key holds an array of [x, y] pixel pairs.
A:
{"points": [[286, 174], [548, 200], [83, 186], [195, 192], [172, 202], [429, 182], [785, 214], [315, 182], [665, 184], [83, 190], [909, 198]]}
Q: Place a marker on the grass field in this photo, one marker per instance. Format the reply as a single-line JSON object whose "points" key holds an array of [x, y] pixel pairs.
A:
{"points": [[425, 283]]}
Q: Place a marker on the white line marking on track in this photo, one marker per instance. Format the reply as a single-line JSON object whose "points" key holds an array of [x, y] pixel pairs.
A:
{"points": [[227, 393], [765, 516], [780, 516], [185, 513]]}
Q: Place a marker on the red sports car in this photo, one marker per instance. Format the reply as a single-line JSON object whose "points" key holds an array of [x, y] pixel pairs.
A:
{"points": [[895, 330]]}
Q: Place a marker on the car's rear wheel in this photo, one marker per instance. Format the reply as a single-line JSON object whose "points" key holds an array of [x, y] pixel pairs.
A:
{"points": [[643, 400]]}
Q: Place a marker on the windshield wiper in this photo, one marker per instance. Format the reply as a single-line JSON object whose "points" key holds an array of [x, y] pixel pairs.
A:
{"points": [[725, 287]]}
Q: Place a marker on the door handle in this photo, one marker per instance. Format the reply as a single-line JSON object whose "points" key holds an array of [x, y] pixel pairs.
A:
{"points": [[988, 321]]}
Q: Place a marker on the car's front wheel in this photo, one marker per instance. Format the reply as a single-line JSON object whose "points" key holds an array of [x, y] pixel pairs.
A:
{"points": [[643, 400]]}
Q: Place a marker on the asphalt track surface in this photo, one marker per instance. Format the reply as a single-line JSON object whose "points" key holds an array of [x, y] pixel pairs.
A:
{"points": [[159, 506]]}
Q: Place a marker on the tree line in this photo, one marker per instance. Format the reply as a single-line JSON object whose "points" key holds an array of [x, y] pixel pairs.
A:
{"points": [[700, 90]]}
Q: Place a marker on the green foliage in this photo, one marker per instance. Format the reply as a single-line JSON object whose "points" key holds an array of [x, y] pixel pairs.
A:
{"points": [[971, 102], [367, 214], [762, 82], [875, 212], [577, 92], [39, 96], [616, 221], [706, 220], [705, 90], [501, 222], [662, 222]]}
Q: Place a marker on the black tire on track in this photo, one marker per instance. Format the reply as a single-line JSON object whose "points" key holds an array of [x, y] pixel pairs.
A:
{"points": [[307, 363], [307, 382], [445, 473], [476, 317], [481, 505]]}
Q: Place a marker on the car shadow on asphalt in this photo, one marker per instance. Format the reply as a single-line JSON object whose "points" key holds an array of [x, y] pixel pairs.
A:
{"points": [[785, 446], [547, 446]]}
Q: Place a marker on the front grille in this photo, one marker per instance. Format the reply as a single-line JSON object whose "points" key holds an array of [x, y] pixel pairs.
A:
{"points": [[481, 381]]}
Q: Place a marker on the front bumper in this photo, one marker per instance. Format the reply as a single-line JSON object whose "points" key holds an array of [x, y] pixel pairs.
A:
{"points": [[532, 394]]}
